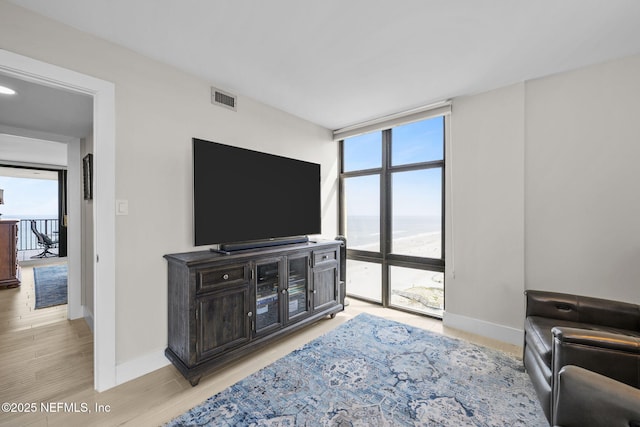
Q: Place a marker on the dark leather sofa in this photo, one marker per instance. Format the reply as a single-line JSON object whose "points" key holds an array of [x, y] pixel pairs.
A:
{"points": [[587, 399], [600, 335]]}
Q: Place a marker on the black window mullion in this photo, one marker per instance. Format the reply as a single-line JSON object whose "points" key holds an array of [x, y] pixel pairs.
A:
{"points": [[417, 166], [341, 211], [363, 172], [367, 256], [415, 262], [442, 218], [444, 198], [385, 214]]}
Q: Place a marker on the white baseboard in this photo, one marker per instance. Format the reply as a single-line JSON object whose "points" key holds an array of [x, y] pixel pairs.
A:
{"points": [[140, 366], [486, 329]]}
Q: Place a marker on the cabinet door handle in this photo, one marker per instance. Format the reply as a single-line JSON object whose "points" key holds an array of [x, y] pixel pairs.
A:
{"points": [[284, 291], [225, 276], [249, 314]]}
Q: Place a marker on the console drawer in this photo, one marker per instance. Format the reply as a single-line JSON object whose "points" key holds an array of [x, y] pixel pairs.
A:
{"points": [[320, 257], [208, 279]]}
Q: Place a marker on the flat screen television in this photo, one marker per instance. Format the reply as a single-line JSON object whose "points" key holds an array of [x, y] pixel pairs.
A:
{"points": [[243, 195]]}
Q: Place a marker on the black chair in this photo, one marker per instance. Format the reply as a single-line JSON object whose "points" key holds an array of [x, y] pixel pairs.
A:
{"points": [[586, 398], [44, 241]]}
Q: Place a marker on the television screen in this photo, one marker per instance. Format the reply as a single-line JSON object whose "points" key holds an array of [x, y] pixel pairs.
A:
{"points": [[244, 195]]}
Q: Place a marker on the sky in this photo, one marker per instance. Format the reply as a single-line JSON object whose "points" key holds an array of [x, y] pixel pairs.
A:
{"points": [[415, 142], [26, 197], [416, 193]]}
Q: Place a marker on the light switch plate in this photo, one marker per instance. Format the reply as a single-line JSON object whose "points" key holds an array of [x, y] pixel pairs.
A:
{"points": [[122, 207]]}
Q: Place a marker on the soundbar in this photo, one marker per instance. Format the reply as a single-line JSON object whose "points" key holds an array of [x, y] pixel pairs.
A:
{"points": [[239, 246]]}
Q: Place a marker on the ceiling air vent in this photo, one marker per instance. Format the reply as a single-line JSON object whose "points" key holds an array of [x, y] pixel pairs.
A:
{"points": [[224, 99]]}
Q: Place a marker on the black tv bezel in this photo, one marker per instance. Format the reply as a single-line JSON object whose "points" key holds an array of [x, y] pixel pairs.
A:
{"points": [[264, 239]]}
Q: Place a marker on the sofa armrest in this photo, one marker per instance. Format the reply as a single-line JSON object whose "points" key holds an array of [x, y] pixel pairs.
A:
{"points": [[614, 355], [587, 398], [597, 339]]}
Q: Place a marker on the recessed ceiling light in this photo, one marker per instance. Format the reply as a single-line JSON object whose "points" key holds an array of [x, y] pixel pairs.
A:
{"points": [[7, 91]]}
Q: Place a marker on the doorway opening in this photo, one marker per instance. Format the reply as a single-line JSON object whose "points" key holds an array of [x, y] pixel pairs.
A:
{"points": [[102, 95], [36, 198]]}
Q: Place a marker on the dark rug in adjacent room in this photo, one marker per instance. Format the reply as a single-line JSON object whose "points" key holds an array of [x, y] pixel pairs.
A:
{"points": [[50, 285], [376, 372]]}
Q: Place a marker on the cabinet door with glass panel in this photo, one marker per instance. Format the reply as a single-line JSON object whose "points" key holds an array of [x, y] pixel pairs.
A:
{"points": [[268, 295], [297, 302]]}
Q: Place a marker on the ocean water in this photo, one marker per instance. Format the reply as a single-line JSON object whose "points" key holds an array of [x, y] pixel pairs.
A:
{"points": [[365, 230]]}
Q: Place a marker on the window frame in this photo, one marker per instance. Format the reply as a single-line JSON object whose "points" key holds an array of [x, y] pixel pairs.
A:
{"points": [[384, 256]]}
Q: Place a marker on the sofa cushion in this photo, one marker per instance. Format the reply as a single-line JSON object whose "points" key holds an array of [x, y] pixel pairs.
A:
{"points": [[538, 333]]}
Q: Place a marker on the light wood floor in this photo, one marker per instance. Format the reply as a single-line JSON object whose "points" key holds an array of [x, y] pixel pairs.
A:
{"points": [[46, 359]]}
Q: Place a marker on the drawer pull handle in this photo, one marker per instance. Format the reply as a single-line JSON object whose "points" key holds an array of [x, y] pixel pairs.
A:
{"points": [[225, 276]]}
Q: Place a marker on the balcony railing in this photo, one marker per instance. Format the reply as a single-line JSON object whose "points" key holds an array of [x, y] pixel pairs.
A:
{"points": [[27, 240]]}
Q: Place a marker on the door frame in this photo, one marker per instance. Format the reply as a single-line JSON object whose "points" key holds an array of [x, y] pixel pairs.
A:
{"points": [[103, 93]]}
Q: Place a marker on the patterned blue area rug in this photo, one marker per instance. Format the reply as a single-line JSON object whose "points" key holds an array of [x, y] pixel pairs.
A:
{"points": [[375, 372], [50, 285]]}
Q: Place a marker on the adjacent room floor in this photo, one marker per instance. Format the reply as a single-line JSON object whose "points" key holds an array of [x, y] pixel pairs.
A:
{"points": [[45, 358]]}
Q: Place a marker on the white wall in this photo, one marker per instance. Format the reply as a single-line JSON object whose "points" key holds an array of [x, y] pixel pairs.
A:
{"points": [[158, 110], [583, 181], [74, 230], [544, 195], [485, 246], [88, 255]]}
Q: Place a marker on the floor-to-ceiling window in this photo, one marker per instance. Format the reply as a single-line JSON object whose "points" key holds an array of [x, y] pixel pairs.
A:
{"points": [[36, 197], [392, 202]]}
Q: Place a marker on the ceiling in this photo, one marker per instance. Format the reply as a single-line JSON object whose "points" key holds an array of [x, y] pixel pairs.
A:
{"points": [[45, 109], [338, 62], [28, 173]]}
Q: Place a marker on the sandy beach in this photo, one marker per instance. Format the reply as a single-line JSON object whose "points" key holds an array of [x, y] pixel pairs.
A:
{"points": [[420, 290]]}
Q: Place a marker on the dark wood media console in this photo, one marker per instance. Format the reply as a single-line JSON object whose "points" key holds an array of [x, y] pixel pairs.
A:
{"points": [[222, 307]]}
